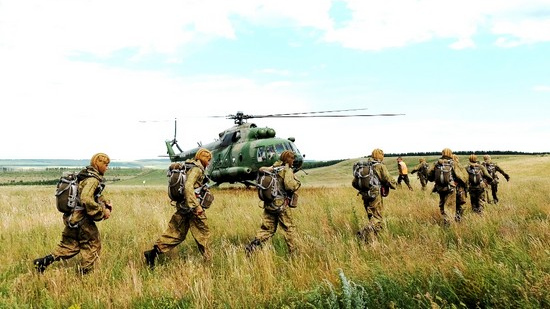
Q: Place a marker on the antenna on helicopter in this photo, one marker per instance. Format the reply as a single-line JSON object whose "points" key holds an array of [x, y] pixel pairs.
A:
{"points": [[174, 141]]}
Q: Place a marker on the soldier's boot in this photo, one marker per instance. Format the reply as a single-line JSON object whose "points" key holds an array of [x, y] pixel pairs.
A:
{"points": [[410, 188], [150, 256], [40, 264], [251, 247]]}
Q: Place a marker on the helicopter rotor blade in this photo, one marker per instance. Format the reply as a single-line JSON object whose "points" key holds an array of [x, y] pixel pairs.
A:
{"points": [[311, 113], [332, 116]]}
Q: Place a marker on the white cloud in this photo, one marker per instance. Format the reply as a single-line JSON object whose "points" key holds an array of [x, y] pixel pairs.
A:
{"points": [[541, 88]]}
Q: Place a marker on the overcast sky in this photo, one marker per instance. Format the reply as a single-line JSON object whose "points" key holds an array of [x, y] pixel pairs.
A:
{"points": [[80, 77]]}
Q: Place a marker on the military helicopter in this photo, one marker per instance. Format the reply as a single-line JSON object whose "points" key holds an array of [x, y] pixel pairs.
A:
{"points": [[241, 150]]}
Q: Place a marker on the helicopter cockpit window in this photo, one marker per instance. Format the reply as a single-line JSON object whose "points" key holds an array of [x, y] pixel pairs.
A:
{"points": [[236, 136], [226, 140], [261, 156], [270, 152], [280, 148], [294, 149]]}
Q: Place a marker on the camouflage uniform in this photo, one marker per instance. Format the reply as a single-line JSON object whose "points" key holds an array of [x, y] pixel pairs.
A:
{"points": [[422, 169], [493, 168], [477, 190], [403, 173], [273, 216], [461, 189], [185, 219], [81, 234], [448, 194], [374, 205]]}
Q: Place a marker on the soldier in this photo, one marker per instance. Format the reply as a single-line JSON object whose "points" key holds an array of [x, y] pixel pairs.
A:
{"points": [[477, 175], [446, 178], [81, 234], [422, 169], [403, 173], [189, 215], [372, 197], [461, 190], [493, 168], [278, 214]]}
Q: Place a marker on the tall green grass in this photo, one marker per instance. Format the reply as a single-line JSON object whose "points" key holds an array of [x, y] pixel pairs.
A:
{"points": [[497, 260]]}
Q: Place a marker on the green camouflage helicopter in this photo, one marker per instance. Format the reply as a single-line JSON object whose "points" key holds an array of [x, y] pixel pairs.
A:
{"points": [[242, 149]]}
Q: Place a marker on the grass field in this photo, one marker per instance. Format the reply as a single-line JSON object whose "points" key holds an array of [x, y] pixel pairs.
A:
{"points": [[498, 260]]}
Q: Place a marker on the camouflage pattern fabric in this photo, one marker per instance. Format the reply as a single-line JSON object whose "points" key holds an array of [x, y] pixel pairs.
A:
{"points": [[448, 198], [477, 192], [493, 168], [185, 219], [180, 224], [84, 240], [422, 174], [374, 206], [85, 237], [270, 222]]}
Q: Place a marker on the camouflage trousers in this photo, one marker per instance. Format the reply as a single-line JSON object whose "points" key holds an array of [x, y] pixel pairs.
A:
{"points": [[84, 240], [180, 224], [448, 200], [476, 199], [373, 207], [270, 222]]}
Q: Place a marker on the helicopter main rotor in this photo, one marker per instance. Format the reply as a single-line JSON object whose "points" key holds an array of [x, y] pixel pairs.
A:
{"points": [[240, 117]]}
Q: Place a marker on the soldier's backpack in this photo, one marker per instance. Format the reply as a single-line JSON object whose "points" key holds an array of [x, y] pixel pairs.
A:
{"points": [[66, 193], [271, 186], [474, 175], [67, 197], [177, 175], [365, 180], [491, 169], [444, 174]]}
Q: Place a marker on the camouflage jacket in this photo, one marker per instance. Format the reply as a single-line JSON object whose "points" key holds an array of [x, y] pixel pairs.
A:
{"points": [[422, 169], [460, 176], [484, 174], [287, 174], [195, 179], [386, 180], [493, 168], [92, 201]]}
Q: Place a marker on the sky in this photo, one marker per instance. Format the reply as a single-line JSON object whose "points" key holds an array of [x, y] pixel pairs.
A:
{"points": [[79, 77]]}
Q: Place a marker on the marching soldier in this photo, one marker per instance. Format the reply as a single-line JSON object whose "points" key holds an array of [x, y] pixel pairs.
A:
{"points": [[493, 168], [275, 214], [446, 178], [477, 176], [372, 196], [422, 170], [81, 234], [189, 215]]}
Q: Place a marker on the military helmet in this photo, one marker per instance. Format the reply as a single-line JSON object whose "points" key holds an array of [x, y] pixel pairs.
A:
{"points": [[421, 160], [487, 158], [378, 154], [447, 153], [473, 158]]}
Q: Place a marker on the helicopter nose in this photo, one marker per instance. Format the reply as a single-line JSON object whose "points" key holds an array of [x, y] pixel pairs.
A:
{"points": [[297, 163]]}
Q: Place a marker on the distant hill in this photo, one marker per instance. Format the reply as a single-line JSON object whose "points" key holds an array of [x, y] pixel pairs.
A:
{"points": [[55, 163]]}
